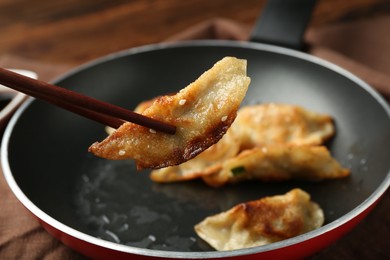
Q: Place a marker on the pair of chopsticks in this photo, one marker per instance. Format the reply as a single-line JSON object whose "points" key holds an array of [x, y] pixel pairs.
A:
{"points": [[85, 106]]}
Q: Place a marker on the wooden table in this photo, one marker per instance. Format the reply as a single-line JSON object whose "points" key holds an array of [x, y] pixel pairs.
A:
{"points": [[71, 32]]}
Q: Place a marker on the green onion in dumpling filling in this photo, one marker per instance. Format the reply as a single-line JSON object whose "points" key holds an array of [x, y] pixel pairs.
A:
{"points": [[238, 170]]}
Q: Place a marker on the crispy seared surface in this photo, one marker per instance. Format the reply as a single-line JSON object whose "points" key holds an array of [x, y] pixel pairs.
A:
{"points": [[278, 163], [202, 113], [208, 161], [256, 126], [281, 124], [262, 221]]}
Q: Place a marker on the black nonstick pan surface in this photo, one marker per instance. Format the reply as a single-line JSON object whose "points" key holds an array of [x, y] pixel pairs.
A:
{"points": [[106, 208]]}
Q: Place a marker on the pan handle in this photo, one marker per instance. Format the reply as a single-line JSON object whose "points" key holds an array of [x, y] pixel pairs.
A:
{"points": [[283, 23]]}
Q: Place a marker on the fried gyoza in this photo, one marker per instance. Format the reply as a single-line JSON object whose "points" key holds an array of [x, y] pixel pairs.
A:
{"points": [[255, 126], [278, 163], [262, 221], [206, 162], [202, 113], [281, 124]]}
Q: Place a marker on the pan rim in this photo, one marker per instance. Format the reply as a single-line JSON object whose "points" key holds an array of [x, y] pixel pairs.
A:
{"points": [[366, 204]]}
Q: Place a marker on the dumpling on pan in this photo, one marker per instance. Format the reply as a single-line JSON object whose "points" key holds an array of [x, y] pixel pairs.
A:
{"points": [[262, 221], [272, 123], [255, 126], [202, 113], [278, 163], [206, 162]]}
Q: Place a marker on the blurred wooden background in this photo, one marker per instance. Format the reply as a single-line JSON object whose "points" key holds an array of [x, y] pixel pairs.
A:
{"points": [[73, 31]]}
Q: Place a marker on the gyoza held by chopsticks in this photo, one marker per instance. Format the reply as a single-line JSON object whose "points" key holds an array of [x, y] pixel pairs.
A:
{"points": [[202, 113]]}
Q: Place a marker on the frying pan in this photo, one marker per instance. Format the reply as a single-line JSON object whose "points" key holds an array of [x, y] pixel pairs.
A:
{"points": [[105, 209]]}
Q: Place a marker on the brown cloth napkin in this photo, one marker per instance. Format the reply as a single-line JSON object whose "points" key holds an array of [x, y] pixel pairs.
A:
{"points": [[362, 47]]}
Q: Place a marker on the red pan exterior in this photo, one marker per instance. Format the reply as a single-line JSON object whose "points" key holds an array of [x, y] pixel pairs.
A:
{"points": [[295, 248], [296, 251]]}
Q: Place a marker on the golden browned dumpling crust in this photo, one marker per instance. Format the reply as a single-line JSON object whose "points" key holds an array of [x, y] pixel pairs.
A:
{"points": [[202, 113], [256, 126], [272, 123], [278, 163], [262, 221], [208, 161]]}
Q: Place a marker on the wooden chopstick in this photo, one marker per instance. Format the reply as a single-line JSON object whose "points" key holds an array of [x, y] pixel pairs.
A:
{"points": [[85, 106], [98, 117]]}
